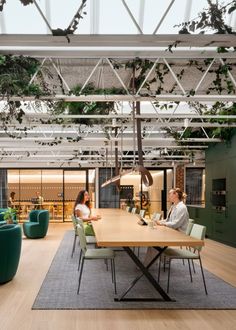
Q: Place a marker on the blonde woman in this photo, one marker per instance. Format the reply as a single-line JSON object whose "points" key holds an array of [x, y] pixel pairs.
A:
{"points": [[177, 217]]}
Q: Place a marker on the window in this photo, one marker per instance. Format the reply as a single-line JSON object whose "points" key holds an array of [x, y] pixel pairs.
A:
{"points": [[195, 186]]}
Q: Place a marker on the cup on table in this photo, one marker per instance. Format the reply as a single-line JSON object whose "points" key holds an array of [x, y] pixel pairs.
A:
{"points": [[151, 224]]}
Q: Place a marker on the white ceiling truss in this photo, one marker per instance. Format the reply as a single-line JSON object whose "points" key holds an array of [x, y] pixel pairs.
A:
{"points": [[187, 73]]}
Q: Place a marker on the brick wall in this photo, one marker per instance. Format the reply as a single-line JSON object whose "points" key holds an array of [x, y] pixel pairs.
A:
{"points": [[180, 177]]}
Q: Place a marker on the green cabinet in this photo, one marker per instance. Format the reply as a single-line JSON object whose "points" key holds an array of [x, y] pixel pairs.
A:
{"points": [[219, 214]]}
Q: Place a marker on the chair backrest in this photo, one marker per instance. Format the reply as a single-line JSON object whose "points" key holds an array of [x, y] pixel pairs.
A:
{"points": [[133, 210], [82, 238], [77, 221], [43, 220], [156, 216], [33, 215], [74, 221], [142, 213], [199, 232], [189, 226], [128, 208], [80, 222]]}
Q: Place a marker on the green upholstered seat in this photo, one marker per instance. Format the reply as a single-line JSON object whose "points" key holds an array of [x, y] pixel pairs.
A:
{"points": [[92, 254], [170, 254], [10, 247], [33, 216], [37, 226], [3, 223], [89, 239]]}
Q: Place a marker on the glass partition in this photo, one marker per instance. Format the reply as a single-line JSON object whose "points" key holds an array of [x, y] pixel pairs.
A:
{"points": [[51, 189], [195, 186], [156, 195], [74, 181], [52, 193]]}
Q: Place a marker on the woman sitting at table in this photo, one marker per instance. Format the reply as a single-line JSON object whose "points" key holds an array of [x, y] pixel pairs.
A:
{"points": [[11, 200], [82, 210], [177, 218]]}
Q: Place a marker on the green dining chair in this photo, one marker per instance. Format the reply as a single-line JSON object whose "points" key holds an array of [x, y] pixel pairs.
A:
{"points": [[128, 208], [93, 254], [156, 216], [170, 254], [187, 232], [89, 239], [142, 213], [189, 226]]}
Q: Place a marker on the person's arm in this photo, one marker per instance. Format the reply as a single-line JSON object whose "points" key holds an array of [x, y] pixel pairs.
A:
{"points": [[160, 222], [177, 218], [80, 215]]}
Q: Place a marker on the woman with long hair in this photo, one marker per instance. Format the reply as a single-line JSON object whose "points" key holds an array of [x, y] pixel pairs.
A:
{"points": [[82, 207]]}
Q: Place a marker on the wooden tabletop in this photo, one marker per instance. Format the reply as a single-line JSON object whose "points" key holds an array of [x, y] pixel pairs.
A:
{"points": [[120, 228]]}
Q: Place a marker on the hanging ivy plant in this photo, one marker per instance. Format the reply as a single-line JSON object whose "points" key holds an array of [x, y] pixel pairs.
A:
{"points": [[15, 76], [211, 19], [24, 2], [89, 108], [59, 31], [217, 109]]}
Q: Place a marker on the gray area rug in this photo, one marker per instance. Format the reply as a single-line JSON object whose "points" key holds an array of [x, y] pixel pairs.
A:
{"points": [[59, 287]]}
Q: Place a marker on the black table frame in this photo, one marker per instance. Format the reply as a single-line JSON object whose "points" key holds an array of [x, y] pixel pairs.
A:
{"points": [[145, 271]]}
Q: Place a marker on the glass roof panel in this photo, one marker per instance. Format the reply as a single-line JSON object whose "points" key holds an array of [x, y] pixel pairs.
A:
{"points": [[103, 16]]}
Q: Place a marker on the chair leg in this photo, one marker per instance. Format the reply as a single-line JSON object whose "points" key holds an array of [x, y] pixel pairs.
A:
{"points": [[138, 251], [80, 255], [80, 274], [203, 277], [190, 272], [168, 281], [193, 267], [106, 263], [159, 269], [112, 278], [73, 247], [114, 274], [164, 261]]}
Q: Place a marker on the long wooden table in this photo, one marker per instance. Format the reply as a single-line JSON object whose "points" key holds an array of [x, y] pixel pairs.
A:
{"points": [[118, 228]]}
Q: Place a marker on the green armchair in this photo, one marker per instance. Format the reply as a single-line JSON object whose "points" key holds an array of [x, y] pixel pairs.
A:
{"points": [[10, 247], [37, 226]]}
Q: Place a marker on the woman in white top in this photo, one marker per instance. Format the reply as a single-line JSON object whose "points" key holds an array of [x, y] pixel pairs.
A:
{"points": [[82, 208], [177, 217]]}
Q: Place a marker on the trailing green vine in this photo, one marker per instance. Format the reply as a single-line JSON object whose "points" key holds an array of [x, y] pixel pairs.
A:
{"points": [[59, 31], [89, 108]]}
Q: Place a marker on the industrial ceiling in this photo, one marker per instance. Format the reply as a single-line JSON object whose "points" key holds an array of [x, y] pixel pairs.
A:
{"points": [[110, 34]]}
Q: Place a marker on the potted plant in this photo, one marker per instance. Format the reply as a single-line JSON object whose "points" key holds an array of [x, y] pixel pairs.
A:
{"points": [[9, 215]]}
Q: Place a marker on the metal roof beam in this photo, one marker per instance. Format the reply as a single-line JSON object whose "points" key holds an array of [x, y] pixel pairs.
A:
{"points": [[129, 98], [119, 40]]}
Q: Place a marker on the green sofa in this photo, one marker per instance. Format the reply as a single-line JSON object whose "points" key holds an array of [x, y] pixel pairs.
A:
{"points": [[37, 226], [10, 247]]}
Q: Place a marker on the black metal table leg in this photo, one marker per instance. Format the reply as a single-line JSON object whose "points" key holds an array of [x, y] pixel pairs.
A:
{"points": [[147, 274]]}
